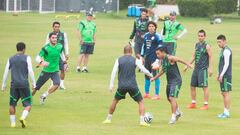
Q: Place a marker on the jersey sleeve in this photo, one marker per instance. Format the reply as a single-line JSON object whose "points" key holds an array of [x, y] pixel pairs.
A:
{"points": [[133, 31], [94, 29], [180, 27], [42, 52], [80, 26]]}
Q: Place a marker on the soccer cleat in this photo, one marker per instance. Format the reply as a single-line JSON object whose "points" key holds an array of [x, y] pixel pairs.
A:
{"points": [[78, 70], [179, 115], [147, 96], [144, 124], [204, 107], [172, 121], [62, 87], [42, 100], [107, 121], [192, 106], [223, 116], [156, 97], [85, 71], [23, 122], [13, 125]]}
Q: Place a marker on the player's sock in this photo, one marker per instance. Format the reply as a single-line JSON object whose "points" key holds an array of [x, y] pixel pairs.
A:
{"points": [[61, 82], [12, 119], [193, 101], [206, 103], [147, 85], [24, 114], [84, 68], [157, 86], [109, 116], [45, 94], [226, 111], [141, 119]]}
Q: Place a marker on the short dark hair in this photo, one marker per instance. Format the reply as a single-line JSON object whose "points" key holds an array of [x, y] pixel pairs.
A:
{"points": [[127, 49], [221, 37], [153, 23], [20, 46], [144, 10], [56, 22], [51, 34], [202, 31], [162, 49]]}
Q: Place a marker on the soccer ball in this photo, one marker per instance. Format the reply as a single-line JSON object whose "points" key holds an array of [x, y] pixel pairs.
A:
{"points": [[148, 117]]}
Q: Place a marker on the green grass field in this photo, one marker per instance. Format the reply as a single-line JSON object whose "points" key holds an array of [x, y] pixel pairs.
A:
{"points": [[82, 107]]}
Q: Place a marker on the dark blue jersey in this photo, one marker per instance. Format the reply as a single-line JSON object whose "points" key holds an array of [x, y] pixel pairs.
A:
{"points": [[150, 44]]}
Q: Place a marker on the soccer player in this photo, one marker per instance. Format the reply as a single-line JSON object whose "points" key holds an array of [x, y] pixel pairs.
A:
{"points": [[174, 80], [126, 66], [86, 31], [225, 74], [151, 41], [170, 31], [62, 39], [139, 30], [49, 57], [203, 66], [20, 66]]}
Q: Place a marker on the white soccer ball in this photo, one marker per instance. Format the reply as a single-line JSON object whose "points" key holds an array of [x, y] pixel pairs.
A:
{"points": [[148, 117]]}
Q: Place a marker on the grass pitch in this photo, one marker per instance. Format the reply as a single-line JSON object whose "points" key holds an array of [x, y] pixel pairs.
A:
{"points": [[82, 107]]}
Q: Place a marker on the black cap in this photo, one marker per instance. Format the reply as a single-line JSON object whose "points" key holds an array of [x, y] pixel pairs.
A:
{"points": [[89, 14]]}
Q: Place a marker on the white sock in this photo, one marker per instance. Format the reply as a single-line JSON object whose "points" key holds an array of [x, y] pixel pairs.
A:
{"points": [[173, 116], [61, 82], [193, 101], [206, 103], [45, 94], [226, 111], [109, 117], [78, 67], [141, 119], [84, 68], [24, 114], [178, 111], [12, 118]]}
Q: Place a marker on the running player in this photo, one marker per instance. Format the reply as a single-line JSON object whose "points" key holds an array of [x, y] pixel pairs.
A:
{"points": [[151, 41], [49, 57], [170, 31], [225, 74], [174, 79], [61, 38], [203, 66], [126, 66], [20, 66], [139, 30]]}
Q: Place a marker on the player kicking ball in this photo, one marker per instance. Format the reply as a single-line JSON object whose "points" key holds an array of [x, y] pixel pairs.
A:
{"points": [[20, 66], [126, 66], [174, 79], [225, 74]]}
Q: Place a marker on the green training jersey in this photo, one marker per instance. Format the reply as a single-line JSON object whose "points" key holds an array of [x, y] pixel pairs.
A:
{"points": [[170, 30], [87, 30], [51, 54]]}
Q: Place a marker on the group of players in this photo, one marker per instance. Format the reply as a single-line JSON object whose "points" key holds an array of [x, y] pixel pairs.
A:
{"points": [[53, 58], [155, 50], [150, 48]]}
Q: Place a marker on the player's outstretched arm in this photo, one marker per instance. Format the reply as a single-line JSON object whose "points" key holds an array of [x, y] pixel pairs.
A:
{"points": [[66, 47], [209, 51], [142, 68], [158, 75], [183, 32], [176, 59], [114, 71], [5, 75], [30, 71], [191, 61]]}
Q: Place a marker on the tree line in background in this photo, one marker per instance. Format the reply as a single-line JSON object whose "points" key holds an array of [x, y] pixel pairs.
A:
{"points": [[124, 3]]}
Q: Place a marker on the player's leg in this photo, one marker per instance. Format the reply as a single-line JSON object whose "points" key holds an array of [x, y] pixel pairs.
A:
{"points": [[157, 86], [81, 57], [89, 51], [27, 104], [147, 65], [194, 84], [120, 94], [42, 79], [56, 82], [203, 82], [62, 74], [14, 97], [85, 63], [173, 91], [225, 87]]}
